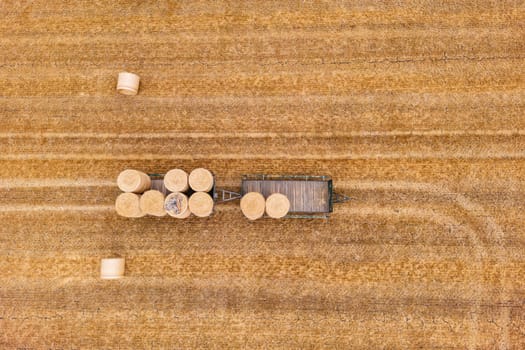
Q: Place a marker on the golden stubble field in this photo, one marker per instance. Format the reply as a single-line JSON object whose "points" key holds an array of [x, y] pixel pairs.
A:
{"points": [[415, 108]]}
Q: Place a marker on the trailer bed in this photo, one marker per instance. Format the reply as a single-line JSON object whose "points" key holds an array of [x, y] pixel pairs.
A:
{"points": [[308, 195]]}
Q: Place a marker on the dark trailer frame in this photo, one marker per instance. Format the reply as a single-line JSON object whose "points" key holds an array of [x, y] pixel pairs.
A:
{"points": [[311, 196]]}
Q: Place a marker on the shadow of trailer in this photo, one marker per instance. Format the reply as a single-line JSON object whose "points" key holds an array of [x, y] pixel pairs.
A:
{"points": [[309, 196]]}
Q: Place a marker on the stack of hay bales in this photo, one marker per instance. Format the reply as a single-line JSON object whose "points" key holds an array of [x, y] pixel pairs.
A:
{"points": [[138, 199], [176, 203], [201, 203], [184, 194], [133, 183], [190, 194]]}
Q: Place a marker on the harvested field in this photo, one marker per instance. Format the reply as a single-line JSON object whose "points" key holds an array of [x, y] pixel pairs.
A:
{"points": [[415, 108]]}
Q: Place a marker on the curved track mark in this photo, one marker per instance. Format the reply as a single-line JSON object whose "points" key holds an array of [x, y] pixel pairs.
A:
{"points": [[272, 156], [486, 222]]}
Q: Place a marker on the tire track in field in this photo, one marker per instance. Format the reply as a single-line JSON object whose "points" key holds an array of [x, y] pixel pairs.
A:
{"points": [[254, 60], [487, 223], [307, 20], [211, 135], [273, 156], [339, 329], [333, 146], [468, 111], [43, 208], [415, 77], [292, 34], [43, 183], [444, 220], [371, 100]]}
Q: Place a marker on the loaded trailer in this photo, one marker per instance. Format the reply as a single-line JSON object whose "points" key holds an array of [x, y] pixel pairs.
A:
{"points": [[175, 192], [310, 196]]}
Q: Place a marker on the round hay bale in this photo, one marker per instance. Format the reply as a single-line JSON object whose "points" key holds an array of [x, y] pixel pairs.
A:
{"points": [[112, 268], [253, 205], [277, 205], [128, 205], [176, 180], [176, 205], [201, 180], [128, 83], [201, 204], [134, 181], [152, 203]]}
